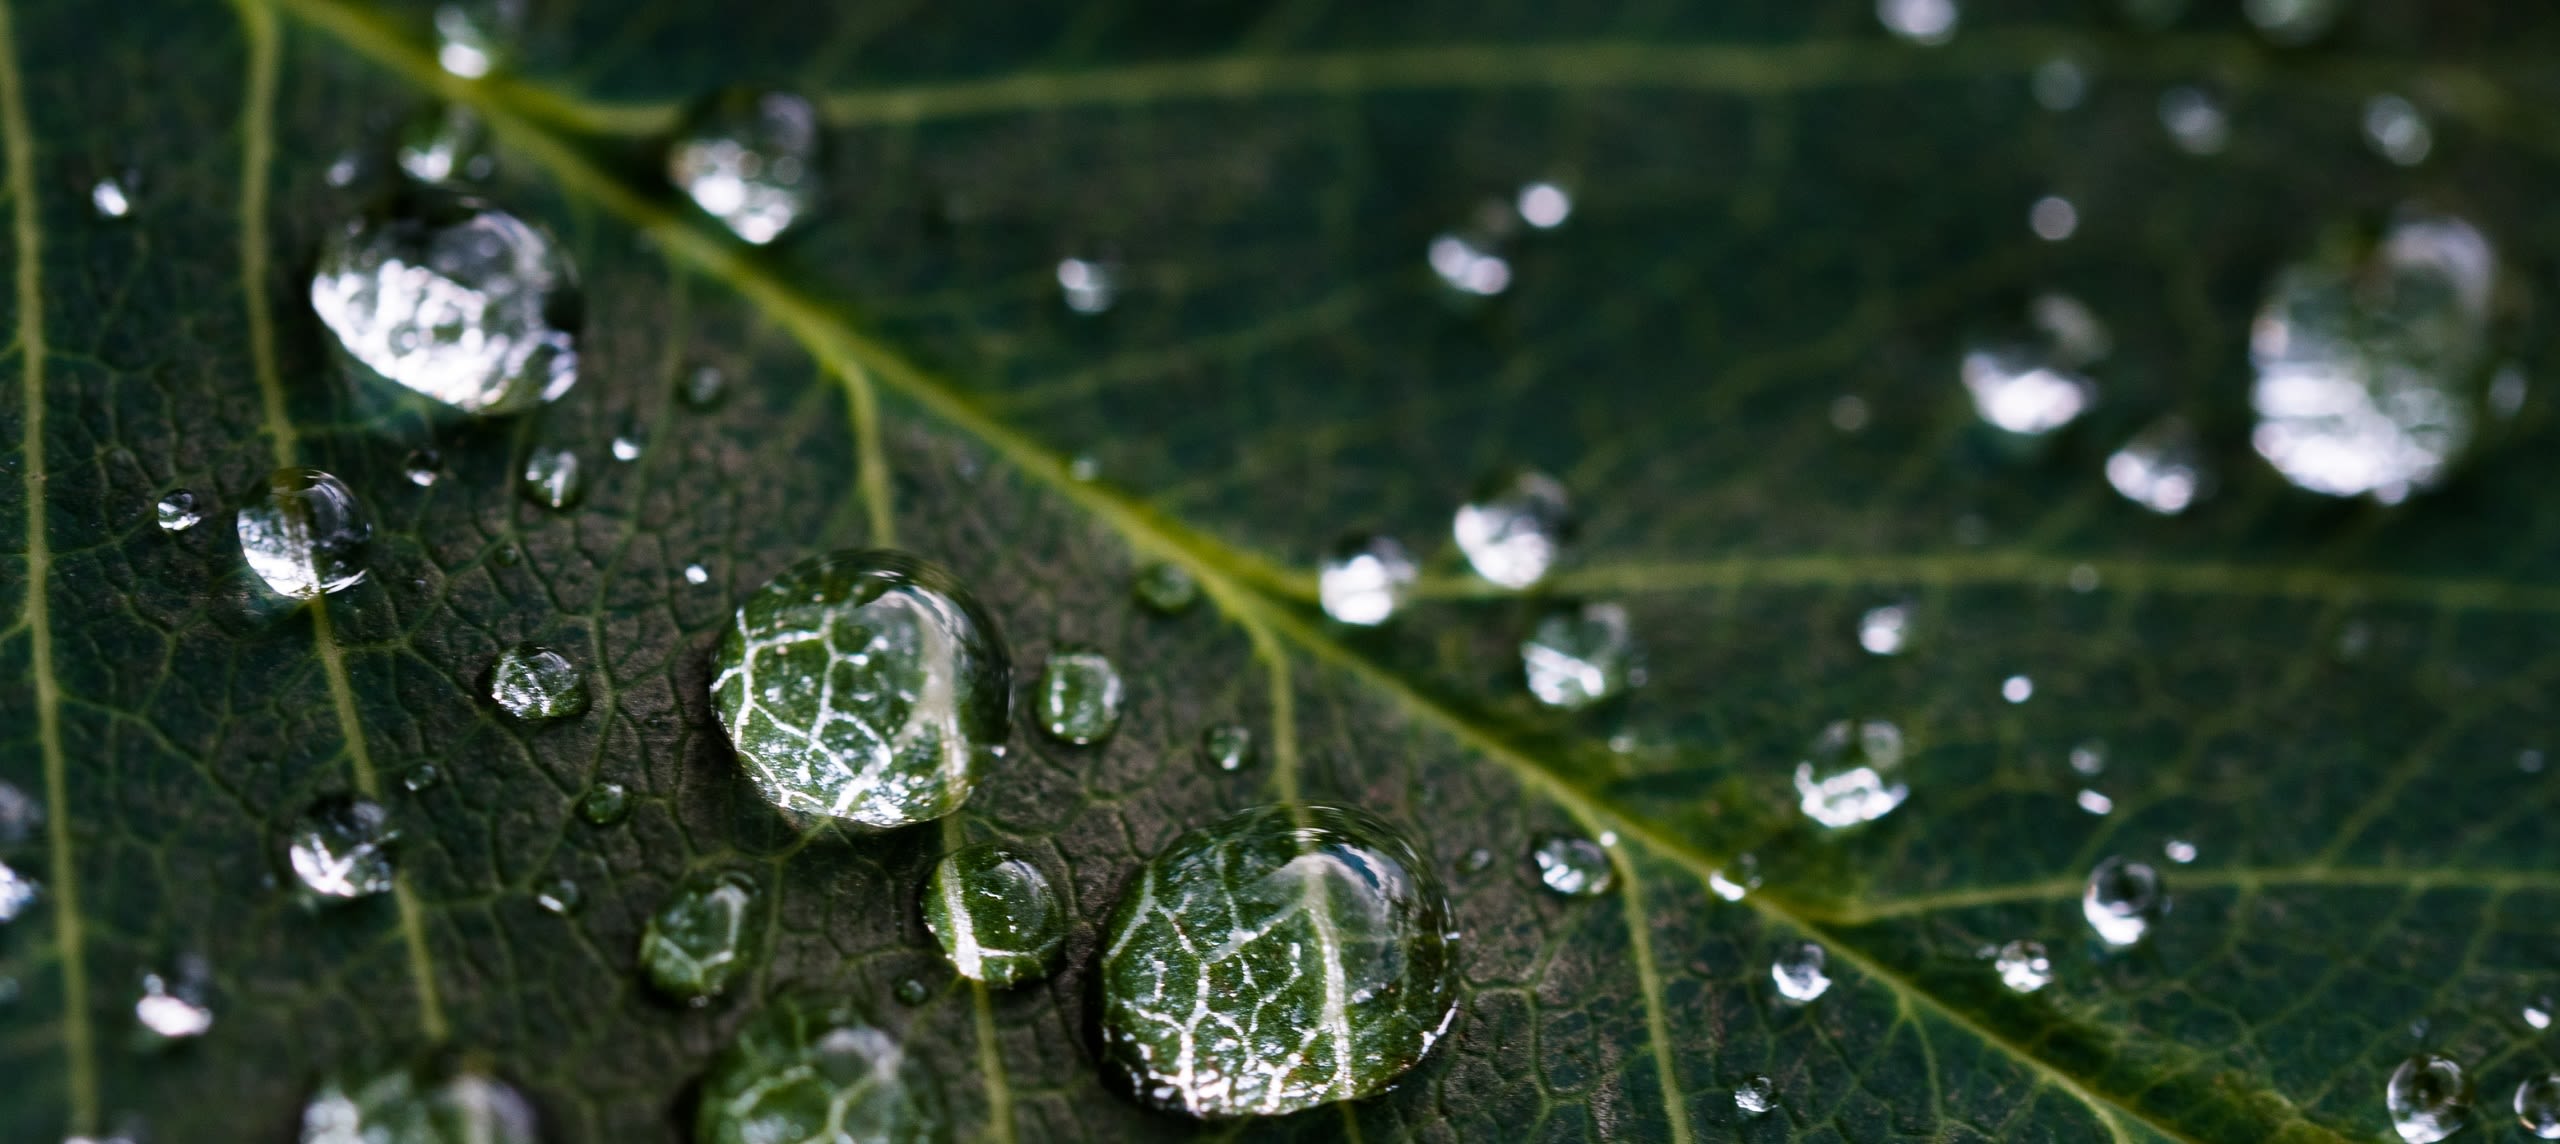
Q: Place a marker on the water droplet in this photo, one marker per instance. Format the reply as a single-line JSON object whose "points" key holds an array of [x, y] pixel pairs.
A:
{"points": [[2122, 900], [2428, 1097], [307, 536], [1580, 657], [560, 896], [473, 36], [552, 478], [341, 848], [997, 916], [20, 814], [424, 468], [2194, 120], [1319, 928], [708, 934], [2023, 966], [1513, 527], [344, 169], [1574, 866], [2096, 803], [811, 1070], [2161, 468], [1084, 468], [2537, 1013], [2083, 578], [1477, 861], [1798, 971], [2053, 218], [626, 448], [173, 1013], [1080, 696], [2017, 689], [1543, 205], [2507, 391], [2023, 391], [1364, 581], [1924, 22], [1882, 630], [446, 144], [1849, 413], [1853, 773], [2538, 1105], [1470, 263], [605, 803], [2292, 21], [1165, 588], [2397, 131], [2180, 851], [109, 198], [178, 511], [419, 1105], [750, 159], [1735, 880], [17, 892], [466, 305], [2060, 84], [911, 991], [703, 387], [1226, 747], [696, 574], [1089, 286], [422, 777], [2367, 366], [2089, 757], [1755, 1096], [530, 681]]}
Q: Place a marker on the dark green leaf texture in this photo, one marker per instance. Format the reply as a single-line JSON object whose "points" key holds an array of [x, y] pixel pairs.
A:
{"points": [[1776, 204]]}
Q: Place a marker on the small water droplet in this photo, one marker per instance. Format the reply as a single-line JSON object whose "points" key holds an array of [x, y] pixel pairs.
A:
{"points": [[344, 169], [709, 933], [474, 36], [20, 814], [1543, 205], [1882, 630], [446, 144], [1364, 580], [2059, 84], [1477, 861], [1089, 286], [2292, 22], [1928, 23], [530, 681], [703, 387], [696, 574], [424, 467], [1513, 527], [1755, 1096], [2194, 120], [1578, 658], [626, 448], [17, 892], [508, 556], [1849, 413], [1574, 866], [1798, 971], [997, 915], [1852, 774], [2161, 468], [552, 478], [912, 991], [307, 536], [429, 1103], [2428, 1098], [1735, 880], [468, 306], [173, 1012], [809, 1069], [424, 776], [1080, 696], [750, 160], [1226, 747], [560, 896], [2022, 391], [2017, 689], [2538, 1105], [2024, 967], [109, 198], [341, 848], [605, 803], [2180, 851], [2122, 899], [1165, 588], [1471, 264], [2089, 757], [2096, 803], [178, 511], [2053, 218], [2537, 1013], [2397, 131]]}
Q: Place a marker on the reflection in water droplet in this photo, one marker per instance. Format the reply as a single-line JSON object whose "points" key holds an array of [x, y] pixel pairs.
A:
{"points": [[2060, 84], [2397, 131], [17, 892], [2017, 689], [2122, 899], [1226, 747], [2537, 1013], [2428, 1098], [1088, 286], [750, 159], [2538, 1105], [1755, 1096], [2367, 369], [109, 199], [605, 803], [708, 934], [2180, 851], [1798, 970], [530, 681], [173, 1014], [341, 848], [307, 536], [1882, 630], [446, 144], [560, 896], [1363, 582], [2022, 391], [552, 478], [1574, 866], [2161, 468], [422, 777], [178, 511], [2053, 218], [2024, 967], [1543, 205], [1925, 22], [810, 1071], [696, 574], [1080, 696], [1578, 658], [866, 685], [997, 916], [2096, 803], [419, 1106], [473, 36], [2292, 21], [1736, 879], [1852, 774], [2194, 120], [424, 468], [1165, 588], [466, 305], [626, 448], [1513, 527], [1320, 929]]}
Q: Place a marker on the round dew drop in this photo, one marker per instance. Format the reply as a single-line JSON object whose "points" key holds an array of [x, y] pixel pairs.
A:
{"points": [[1798, 972], [2024, 966], [1852, 773], [997, 916], [1755, 1096], [605, 804], [709, 933], [1080, 696], [341, 848], [2428, 1099], [811, 1070], [1165, 588], [2538, 1105], [2122, 900], [1576, 659], [530, 681], [178, 511], [418, 1106], [466, 305], [1574, 867], [1364, 580], [560, 896], [911, 991], [552, 478], [307, 536], [750, 160], [1514, 526], [1226, 747]]}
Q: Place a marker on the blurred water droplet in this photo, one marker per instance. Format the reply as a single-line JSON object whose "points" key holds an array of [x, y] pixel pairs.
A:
{"points": [[1735, 880], [1080, 696], [341, 848], [2089, 757], [1364, 580], [1226, 747], [2397, 131], [446, 144], [2059, 84], [1924, 22], [2538, 1105], [2428, 1098], [422, 777], [507, 556], [2083, 578], [2095, 803], [626, 448], [2017, 689], [1798, 970], [2180, 851], [1849, 413], [1755, 1096], [605, 804], [1574, 866], [1088, 286], [419, 1105], [1882, 630], [177, 511], [17, 892], [552, 477], [466, 305], [560, 896], [1165, 588], [1513, 527], [2022, 391], [1543, 205], [750, 160], [696, 574], [530, 681], [2161, 468], [703, 387], [109, 199], [2292, 22], [2122, 899], [2507, 391], [20, 814], [307, 536], [911, 991], [1852, 774], [2194, 121], [2024, 967], [2053, 218], [1578, 658], [424, 467], [708, 934], [1471, 260], [173, 1011], [997, 915], [474, 36], [811, 1071]]}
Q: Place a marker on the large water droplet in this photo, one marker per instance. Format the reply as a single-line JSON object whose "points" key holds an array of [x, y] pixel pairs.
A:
{"points": [[2161, 468], [474, 36], [467, 305], [1798, 970], [749, 159], [341, 848], [421, 1105], [1080, 696], [1543, 205], [1574, 866], [534, 682], [2122, 899], [1755, 1096], [1578, 658], [552, 477], [708, 934], [867, 685], [808, 1071], [17, 892], [605, 804], [1319, 949], [2024, 966], [1853, 774], [2292, 21], [2428, 1098], [307, 536], [1226, 747], [997, 916], [1165, 588], [1513, 527], [2538, 1105], [1924, 22], [446, 144], [1364, 580], [178, 511], [2368, 366]]}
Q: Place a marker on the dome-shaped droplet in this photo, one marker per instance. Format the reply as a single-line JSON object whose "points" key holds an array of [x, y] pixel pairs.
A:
{"points": [[1853, 773], [2369, 366], [911, 991], [2428, 1098], [1574, 866], [1883, 629], [307, 536], [2122, 899], [2024, 966], [749, 159], [1080, 696], [1580, 657], [2538, 1105], [2161, 468], [808, 1071], [1735, 880], [1364, 580], [561, 896], [996, 914], [1312, 951], [174, 1010], [422, 777], [1755, 1096], [419, 1106], [605, 803], [341, 848], [467, 305], [2025, 391], [178, 511], [709, 933], [1513, 527], [446, 144], [866, 685], [1798, 970], [552, 478], [531, 681], [1165, 588], [1226, 747], [474, 36], [424, 467]]}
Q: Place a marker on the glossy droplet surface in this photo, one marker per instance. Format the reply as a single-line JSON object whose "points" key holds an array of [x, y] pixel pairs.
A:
{"points": [[1165, 588], [1578, 658], [424, 467], [1798, 970], [605, 803], [2025, 391], [1513, 527], [341, 848], [2024, 966], [2538, 1105], [109, 198], [750, 160], [1735, 880], [1079, 696], [307, 536], [1364, 580], [709, 933], [1226, 747], [1883, 630], [17, 892], [560, 896], [178, 511], [809, 1071], [2428, 1098], [997, 916], [173, 1011], [446, 144], [466, 305], [531, 681], [1280, 958], [1089, 286], [473, 36], [419, 1106], [552, 478], [1574, 866], [911, 991], [1755, 1096], [422, 777], [2122, 899], [1852, 774], [2161, 468], [866, 685]]}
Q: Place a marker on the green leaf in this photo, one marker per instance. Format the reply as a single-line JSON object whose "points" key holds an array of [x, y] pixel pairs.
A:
{"points": [[1775, 207]]}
